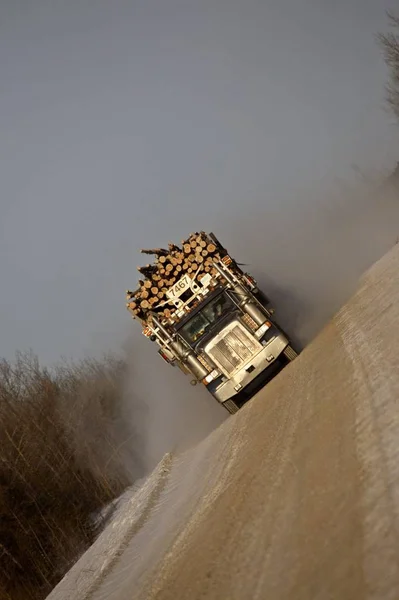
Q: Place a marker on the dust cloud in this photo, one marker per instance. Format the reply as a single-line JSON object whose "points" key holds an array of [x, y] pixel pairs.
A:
{"points": [[167, 413], [307, 258]]}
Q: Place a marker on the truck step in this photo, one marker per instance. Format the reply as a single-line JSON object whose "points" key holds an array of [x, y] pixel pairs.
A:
{"points": [[290, 353], [231, 406]]}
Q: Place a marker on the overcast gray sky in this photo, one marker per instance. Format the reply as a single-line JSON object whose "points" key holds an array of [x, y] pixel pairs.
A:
{"points": [[126, 124]]}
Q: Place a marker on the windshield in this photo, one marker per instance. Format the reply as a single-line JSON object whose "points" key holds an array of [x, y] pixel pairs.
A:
{"points": [[203, 320]]}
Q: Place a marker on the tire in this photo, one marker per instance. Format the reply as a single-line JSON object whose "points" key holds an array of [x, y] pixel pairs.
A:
{"points": [[231, 406], [290, 353]]}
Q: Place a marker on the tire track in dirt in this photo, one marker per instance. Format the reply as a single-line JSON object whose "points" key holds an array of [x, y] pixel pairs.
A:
{"points": [[88, 574]]}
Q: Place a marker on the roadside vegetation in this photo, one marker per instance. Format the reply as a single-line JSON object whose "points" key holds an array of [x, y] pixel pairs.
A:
{"points": [[62, 459], [390, 46]]}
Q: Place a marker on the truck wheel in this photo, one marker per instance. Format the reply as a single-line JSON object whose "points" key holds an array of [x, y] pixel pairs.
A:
{"points": [[290, 353], [231, 406]]}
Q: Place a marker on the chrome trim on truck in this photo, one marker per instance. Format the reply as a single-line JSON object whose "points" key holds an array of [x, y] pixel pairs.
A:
{"points": [[232, 348], [259, 363]]}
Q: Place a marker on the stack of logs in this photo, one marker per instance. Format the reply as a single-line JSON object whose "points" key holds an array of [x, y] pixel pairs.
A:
{"points": [[195, 255]]}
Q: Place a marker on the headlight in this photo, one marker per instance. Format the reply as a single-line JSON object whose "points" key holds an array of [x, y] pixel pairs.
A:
{"points": [[215, 373], [262, 329]]}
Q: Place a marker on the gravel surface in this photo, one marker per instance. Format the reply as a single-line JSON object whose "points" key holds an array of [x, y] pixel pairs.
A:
{"points": [[294, 497]]}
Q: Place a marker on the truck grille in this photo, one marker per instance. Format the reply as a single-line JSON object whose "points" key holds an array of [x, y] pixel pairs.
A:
{"points": [[234, 349]]}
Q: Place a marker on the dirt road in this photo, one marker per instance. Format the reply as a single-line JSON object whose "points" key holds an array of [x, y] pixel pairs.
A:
{"points": [[296, 497]]}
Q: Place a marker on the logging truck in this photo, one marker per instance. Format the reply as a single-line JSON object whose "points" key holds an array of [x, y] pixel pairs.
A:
{"points": [[210, 319]]}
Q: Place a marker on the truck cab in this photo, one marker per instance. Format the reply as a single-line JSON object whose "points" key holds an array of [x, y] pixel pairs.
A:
{"points": [[212, 321], [241, 355]]}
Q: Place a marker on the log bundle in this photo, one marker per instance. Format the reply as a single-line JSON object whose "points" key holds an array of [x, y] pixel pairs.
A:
{"points": [[195, 256]]}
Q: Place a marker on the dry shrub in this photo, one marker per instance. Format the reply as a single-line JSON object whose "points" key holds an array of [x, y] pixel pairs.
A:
{"points": [[390, 46], [61, 461]]}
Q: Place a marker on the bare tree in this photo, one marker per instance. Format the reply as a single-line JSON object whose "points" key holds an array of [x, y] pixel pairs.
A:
{"points": [[62, 459], [390, 46]]}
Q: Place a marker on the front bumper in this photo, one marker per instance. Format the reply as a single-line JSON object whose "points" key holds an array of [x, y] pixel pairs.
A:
{"points": [[259, 363]]}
